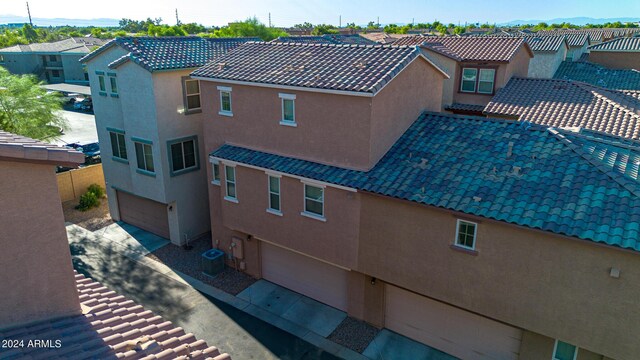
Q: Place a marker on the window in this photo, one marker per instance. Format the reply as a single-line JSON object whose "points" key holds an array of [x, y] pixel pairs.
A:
{"points": [[183, 155], [564, 351], [215, 165], [55, 73], [230, 180], [191, 90], [477, 80], [52, 58], [103, 87], [1, 58], [469, 80], [114, 85], [274, 194], [466, 234], [225, 100], [144, 156], [313, 201], [118, 146], [485, 81], [288, 109]]}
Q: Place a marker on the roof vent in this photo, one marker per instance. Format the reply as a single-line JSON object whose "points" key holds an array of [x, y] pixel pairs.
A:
{"points": [[477, 198], [517, 171], [361, 64], [221, 66], [510, 149]]}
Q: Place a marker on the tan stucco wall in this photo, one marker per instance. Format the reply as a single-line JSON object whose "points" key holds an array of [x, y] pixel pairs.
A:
{"points": [[545, 64], [535, 346], [616, 60], [554, 286], [72, 184], [37, 280]]}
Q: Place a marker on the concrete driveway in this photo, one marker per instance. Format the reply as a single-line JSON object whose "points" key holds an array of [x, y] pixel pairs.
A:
{"points": [[224, 326]]}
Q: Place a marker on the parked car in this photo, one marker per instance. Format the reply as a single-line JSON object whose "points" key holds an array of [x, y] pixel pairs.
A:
{"points": [[72, 98], [90, 149], [85, 104]]}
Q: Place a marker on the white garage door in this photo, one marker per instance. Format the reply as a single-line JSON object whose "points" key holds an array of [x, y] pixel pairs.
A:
{"points": [[449, 329], [313, 278], [144, 213]]}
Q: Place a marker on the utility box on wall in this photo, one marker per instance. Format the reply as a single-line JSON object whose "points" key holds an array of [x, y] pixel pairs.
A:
{"points": [[212, 262]]}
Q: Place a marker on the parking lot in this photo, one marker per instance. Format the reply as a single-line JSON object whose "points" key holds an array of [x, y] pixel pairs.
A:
{"points": [[82, 128]]}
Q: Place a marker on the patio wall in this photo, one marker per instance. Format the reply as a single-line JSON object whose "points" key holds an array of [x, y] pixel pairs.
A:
{"points": [[73, 183]]}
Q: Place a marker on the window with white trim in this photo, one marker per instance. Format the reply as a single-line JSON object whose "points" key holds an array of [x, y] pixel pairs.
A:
{"points": [[478, 80], [564, 351], [184, 156], [230, 181], [225, 101], [466, 234], [191, 89], [468, 83], [144, 157], [485, 81], [274, 193], [288, 109], [314, 200], [118, 146], [215, 166]]}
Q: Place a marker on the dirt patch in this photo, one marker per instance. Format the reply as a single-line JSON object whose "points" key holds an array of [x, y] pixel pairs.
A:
{"points": [[92, 219], [188, 262]]}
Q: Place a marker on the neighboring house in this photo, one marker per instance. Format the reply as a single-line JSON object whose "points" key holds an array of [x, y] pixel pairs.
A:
{"points": [[622, 53], [383, 38], [46, 310], [326, 39], [598, 75], [568, 104], [548, 53], [596, 35], [149, 125], [478, 66], [55, 62], [578, 44]]}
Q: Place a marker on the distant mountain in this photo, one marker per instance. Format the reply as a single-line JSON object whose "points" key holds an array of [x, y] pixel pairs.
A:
{"points": [[11, 19], [575, 21]]}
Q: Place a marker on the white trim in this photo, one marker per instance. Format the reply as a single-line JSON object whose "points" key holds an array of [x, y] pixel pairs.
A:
{"points": [[225, 113], [304, 202], [230, 199], [222, 111], [292, 98], [475, 234], [288, 123], [493, 81], [213, 172], [274, 212], [269, 192], [313, 216], [226, 184], [315, 183], [555, 347], [186, 95], [475, 80], [302, 179], [224, 88], [287, 96]]}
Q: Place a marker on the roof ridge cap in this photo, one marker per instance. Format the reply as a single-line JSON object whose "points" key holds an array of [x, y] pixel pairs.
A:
{"points": [[608, 98]]}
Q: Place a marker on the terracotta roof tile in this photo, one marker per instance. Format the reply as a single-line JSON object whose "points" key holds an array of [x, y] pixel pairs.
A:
{"points": [[595, 74], [20, 147], [563, 103], [326, 39], [111, 327], [472, 48], [620, 44]]}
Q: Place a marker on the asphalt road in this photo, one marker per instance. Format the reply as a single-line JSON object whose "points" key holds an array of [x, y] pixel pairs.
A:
{"points": [[82, 127]]}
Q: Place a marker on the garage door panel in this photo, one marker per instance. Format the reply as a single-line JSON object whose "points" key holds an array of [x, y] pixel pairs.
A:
{"points": [[144, 213], [308, 276], [452, 330]]}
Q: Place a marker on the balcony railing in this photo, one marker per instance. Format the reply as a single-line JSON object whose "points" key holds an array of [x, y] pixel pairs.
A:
{"points": [[53, 64]]}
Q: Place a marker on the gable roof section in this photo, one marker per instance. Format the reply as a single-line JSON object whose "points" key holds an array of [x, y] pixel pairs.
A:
{"points": [[110, 327], [360, 69], [169, 53], [326, 39], [471, 48], [546, 43], [548, 182], [598, 75], [564, 103], [618, 45], [22, 148], [70, 45]]}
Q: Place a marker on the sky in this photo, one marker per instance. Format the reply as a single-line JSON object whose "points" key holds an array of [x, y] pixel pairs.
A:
{"points": [[290, 12]]}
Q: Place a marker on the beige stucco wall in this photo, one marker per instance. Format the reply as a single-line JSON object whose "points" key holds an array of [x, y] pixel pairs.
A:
{"points": [[616, 60], [37, 280], [72, 184], [545, 64], [554, 286], [449, 66], [575, 53]]}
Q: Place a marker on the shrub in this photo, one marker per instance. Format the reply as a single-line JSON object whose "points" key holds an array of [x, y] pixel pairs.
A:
{"points": [[88, 200], [96, 190]]}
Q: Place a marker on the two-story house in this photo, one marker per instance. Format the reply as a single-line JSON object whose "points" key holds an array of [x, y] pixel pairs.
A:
{"points": [[620, 53], [477, 66], [55, 62], [484, 238], [149, 123]]}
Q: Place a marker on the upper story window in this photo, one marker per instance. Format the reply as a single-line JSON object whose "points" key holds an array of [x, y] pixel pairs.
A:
{"points": [[477, 80], [184, 155], [103, 86], [118, 146], [313, 201], [230, 182], [564, 351], [55, 73], [288, 109], [1, 58], [466, 234], [52, 58], [144, 156], [191, 94], [225, 101], [215, 166], [274, 195], [113, 83]]}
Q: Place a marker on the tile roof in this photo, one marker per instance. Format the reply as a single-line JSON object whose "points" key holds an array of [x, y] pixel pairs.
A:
{"points": [[382, 37], [470, 108], [620, 44], [574, 39], [169, 53], [354, 68], [546, 43], [70, 45], [18, 147], [531, 176], [473, 48], [595, 74], [326, 39], [111, 327], [565, 103]]}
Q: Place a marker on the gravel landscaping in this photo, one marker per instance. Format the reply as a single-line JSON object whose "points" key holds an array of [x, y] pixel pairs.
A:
{"points": [[188, 262], [92, 219], [354, 334]]}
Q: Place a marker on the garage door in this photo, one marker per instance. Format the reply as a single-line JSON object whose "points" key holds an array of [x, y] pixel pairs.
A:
{"points": [[144, 213], [313, 278], [447, 328]]}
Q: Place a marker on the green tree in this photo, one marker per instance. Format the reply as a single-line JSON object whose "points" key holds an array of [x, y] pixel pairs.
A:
{"points": [[459, 30], [27, 109], [441, 29], [304, 26], [322, 29], [250, 27], [29, 33], [372, 26], [192, 28]]}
